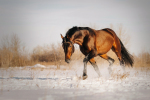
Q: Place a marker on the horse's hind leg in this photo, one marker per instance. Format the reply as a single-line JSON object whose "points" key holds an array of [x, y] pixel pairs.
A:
{"points": [[110, 60], [93, 63], [118, 53]]}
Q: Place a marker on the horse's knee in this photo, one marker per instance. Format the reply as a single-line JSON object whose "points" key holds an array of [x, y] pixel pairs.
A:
{"points": [[85, 60]]}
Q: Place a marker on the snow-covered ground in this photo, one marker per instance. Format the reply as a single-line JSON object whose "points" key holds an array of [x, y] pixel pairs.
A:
{"points": [[40, 82]]}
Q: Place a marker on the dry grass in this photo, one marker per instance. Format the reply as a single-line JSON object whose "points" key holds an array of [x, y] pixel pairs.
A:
{"points": [[13, 53], [53, 55], [142, 60]]}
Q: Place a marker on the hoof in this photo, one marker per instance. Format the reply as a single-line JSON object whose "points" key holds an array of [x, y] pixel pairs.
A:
{"points": [[84, 77]]}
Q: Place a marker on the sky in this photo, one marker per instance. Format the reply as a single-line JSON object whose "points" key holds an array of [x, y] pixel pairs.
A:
{"points": [[40, 22]]}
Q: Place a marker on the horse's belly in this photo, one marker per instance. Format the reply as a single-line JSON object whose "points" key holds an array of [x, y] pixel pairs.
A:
{"points": [[105, 46]]}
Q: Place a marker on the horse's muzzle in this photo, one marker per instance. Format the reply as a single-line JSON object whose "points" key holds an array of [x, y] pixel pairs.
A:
{"points": [[68, 60]]}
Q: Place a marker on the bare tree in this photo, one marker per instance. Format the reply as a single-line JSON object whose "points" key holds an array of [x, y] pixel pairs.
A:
{"points": [[11, 51]]}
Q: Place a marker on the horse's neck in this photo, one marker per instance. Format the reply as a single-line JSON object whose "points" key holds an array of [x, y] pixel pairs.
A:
{"points": [[79, 36]]}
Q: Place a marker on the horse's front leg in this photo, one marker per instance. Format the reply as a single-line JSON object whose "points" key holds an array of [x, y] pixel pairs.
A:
{"points": [[85, 61], [93, 63], [85, 69]]}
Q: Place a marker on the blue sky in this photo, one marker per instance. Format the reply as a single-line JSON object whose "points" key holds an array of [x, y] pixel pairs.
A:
{"points": [[39, 22]]}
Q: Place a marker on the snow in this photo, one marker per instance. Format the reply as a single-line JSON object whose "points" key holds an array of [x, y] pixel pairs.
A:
{"points": [[39, 65], [41, 82]]}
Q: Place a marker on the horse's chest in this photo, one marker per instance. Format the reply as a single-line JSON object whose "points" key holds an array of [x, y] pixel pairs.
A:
{"points": [[84, 50]]}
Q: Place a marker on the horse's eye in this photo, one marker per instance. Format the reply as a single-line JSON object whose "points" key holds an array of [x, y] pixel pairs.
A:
{"points": [[70, 46]]}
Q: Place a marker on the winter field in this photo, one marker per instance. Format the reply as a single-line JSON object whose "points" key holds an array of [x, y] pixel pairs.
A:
{"points": [[41, 82]]}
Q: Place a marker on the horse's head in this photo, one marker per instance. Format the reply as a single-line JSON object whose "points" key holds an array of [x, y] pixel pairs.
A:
{"points": [[68, 48]]}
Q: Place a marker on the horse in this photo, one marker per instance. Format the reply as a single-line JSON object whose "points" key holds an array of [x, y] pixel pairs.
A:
{"points": [[94, 43]]}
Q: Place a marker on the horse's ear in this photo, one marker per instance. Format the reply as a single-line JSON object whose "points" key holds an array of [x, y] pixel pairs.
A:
{"points": [[61, 36]]}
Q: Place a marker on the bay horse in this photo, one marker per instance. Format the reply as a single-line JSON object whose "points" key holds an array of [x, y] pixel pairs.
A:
{"points": [[94, 43]]}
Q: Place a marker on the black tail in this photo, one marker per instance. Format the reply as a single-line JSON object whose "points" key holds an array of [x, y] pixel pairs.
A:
{"points": [[127, 58]]}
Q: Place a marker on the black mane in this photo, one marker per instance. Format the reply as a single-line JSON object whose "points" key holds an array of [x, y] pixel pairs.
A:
{"points": [[72, 30]]}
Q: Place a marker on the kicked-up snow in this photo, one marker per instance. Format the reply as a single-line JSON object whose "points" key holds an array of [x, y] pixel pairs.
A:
{"points": [[41, 82]]}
